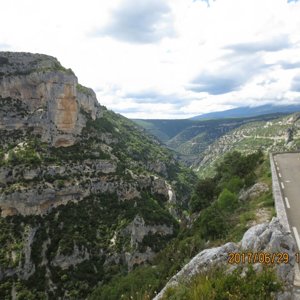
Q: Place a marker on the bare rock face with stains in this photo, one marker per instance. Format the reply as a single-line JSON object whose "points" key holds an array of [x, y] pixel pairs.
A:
{"points": [[46, 98]]}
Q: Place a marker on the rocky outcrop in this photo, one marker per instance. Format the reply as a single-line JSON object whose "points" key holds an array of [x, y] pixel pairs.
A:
{"points": [[268, 237], [25, 267], [289, 135], [46, 187], [45, 98], [66, 261], [254, 191], [138, 230]]}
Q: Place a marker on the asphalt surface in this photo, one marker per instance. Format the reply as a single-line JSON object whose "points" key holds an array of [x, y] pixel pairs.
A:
{"points": [[288, 171]]}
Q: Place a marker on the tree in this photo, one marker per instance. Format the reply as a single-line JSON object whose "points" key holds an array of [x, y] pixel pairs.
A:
{"points": [[227, 200], [203, 195], [212, 223]]}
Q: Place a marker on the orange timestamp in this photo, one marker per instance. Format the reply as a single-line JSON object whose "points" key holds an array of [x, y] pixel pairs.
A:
{"points": [[266, 258]]}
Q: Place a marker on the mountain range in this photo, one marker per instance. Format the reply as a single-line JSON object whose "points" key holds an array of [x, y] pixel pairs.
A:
{"points": [[248, 111]]}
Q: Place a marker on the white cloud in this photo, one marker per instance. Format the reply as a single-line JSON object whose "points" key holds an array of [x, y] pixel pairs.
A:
{"points": [[166, 58], [139, 22]]}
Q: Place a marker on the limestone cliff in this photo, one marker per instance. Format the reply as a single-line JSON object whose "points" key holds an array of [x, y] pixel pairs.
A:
{"points": [[48, 93], [84, 193]]}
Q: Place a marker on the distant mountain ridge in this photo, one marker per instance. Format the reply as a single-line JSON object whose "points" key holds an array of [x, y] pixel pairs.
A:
{"points": [[248, 111], [190, 138], [277, 135]]}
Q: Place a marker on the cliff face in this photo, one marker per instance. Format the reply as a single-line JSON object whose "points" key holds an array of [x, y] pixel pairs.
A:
{"points": [[82, 189], [48, 93]]}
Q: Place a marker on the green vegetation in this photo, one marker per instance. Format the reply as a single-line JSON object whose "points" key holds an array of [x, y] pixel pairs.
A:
{"points": [[232, 174], [204, 194], [140, 152], [95, 228], [23, 156], [95, 232], [82, 89], [192, 137], [216, 223], [218, 284], [89, 233]]}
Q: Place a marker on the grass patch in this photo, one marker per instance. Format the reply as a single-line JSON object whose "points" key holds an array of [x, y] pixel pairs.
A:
{"points": [[217, 284]]}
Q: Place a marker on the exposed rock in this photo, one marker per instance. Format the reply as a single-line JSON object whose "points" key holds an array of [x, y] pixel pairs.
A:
{"points": [[25, 268], [253, 192], [138, 258], [28, 268], [137, 230], [43, 108], [262, 215], [64, 261], [200, 263], [268, 237], [271, 238], [289, 135], [41, 87], [158, 167], [39, 198], [30, 174]]}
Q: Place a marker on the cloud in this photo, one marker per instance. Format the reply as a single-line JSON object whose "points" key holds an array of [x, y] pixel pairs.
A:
{"points": [[215, 84], [286, 65], [267, 82], [227, 54], [141, 22], [156, 97], [206, 1], [228, 78], [295, 86], [4, 46], [268, 45]]}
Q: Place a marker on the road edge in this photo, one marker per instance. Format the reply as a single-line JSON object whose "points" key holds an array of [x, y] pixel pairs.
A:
{"points": [[278, 197]]}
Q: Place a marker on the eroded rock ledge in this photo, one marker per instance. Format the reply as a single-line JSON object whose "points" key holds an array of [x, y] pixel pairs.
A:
{"points": [[266, 237]]}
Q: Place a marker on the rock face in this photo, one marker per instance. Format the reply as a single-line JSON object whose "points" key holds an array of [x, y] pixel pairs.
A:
{"points": [[255, 191], [49, 94], [42, 193], [138, 230], [84, 193], [266, 237], [64, 262]]}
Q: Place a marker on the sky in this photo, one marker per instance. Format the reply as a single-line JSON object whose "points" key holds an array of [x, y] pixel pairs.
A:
{"points": [[166, 59]]}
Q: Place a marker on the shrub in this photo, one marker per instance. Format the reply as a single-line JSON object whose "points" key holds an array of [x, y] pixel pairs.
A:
{"points": [[204, 194], [218, 284], [227, 201], [234, 185], [212, 222]]}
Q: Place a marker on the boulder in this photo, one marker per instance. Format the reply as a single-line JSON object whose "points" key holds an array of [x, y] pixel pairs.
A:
{"points": [[253, 192], [267, 237]]}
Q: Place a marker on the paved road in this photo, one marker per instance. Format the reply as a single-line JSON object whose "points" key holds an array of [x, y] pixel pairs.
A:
{"points": [[288, 170]]}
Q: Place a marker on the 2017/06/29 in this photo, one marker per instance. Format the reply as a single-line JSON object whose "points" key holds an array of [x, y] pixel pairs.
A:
{"points": [[266, 258]]}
